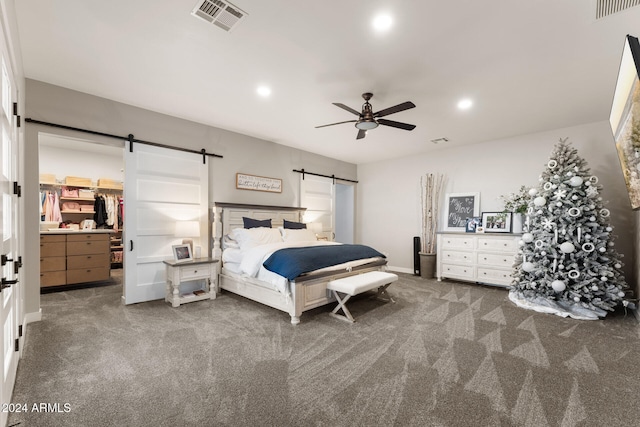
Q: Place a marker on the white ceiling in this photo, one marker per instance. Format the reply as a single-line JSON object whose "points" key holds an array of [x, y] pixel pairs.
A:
{"points": [[529, 66]]}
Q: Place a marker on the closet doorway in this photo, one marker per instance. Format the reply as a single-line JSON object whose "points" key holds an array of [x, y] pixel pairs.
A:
{"points": [[76, 177]]}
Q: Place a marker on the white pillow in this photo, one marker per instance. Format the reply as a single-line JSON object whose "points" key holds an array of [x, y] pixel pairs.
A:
{"points": [[249, 238], [228, 242], [298, 235]]}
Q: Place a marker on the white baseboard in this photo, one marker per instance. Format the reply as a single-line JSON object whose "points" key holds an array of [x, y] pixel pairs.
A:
{"points": [[32, 317], [400, 269]]}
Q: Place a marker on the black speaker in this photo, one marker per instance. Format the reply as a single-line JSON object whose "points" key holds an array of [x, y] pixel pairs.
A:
{"points": [[416, 256]]}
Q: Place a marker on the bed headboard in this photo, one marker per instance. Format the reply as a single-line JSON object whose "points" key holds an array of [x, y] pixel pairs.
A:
{"points": [[227, 216]]}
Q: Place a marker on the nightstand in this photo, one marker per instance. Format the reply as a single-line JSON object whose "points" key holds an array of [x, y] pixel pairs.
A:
{"points": [[203, 269]]}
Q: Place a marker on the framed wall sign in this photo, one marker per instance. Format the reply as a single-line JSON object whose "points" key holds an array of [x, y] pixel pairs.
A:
{"points": [[458, 207], [258, 183]]}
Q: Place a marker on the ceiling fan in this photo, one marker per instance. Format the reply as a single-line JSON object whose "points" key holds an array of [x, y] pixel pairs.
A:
{"points": [[368, 120]]}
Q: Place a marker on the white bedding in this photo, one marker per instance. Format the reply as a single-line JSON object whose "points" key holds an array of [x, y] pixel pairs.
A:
{"points": [[252, 260]]}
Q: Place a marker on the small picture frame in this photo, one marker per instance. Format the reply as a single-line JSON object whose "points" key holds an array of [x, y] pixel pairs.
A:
{"points": [[496, 222], [87, 225], [472, 224], [182, 253]]}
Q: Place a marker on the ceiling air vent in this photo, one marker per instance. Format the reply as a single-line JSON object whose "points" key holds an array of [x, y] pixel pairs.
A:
{"points": [[220, 13], [609, 7]]}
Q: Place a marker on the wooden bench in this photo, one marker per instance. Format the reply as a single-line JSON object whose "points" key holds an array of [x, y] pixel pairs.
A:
{"points": [[354, 285]]}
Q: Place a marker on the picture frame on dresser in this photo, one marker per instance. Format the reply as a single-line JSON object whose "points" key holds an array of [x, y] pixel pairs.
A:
{"points": [[458, 207], [496, 222], [182, 253]]}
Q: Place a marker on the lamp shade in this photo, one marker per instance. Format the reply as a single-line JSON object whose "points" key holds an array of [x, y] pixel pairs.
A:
{"points": [[187, 229]]}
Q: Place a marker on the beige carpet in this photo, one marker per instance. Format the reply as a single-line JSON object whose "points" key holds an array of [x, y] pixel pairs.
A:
{"points": [[445, 354]]}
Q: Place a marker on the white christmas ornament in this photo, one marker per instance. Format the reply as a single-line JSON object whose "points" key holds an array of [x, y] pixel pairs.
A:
{"points": [[576, 299], [558, 285], [567, 247], [539, 201], [528, 267], [527, 237], [559, 204], [575, 181], [533, 192]]}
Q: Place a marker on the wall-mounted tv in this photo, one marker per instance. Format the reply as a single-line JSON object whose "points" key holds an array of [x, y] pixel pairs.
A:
{"points": [[625, 118]]}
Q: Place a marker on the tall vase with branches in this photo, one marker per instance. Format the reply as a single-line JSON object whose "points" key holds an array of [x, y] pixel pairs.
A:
{"points": [[431, 188]]}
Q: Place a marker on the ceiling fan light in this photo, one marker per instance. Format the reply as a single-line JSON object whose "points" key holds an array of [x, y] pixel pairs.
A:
{"points": [[366, 125]]}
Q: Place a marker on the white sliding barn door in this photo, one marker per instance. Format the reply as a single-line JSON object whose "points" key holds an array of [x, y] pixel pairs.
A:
{"points": [[317, 194], [162, 186]]}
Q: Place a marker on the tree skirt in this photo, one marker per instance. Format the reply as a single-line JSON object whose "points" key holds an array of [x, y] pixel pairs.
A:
{"points": [[559, 308]]}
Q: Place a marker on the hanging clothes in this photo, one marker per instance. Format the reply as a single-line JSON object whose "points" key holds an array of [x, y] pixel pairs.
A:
{"points": [[100, 211], [52, 207]]}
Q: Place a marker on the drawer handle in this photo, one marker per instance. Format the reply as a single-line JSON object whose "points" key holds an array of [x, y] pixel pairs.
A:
{"points": [[89, 257], [195, 271], [485, 273]]}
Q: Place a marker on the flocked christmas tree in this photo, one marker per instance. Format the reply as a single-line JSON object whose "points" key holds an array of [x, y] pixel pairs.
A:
{"points": [[567, 263]]}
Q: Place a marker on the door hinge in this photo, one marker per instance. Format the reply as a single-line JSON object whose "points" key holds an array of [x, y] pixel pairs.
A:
{"points": [[15, 108], [19, 330], [17, 344], [17, 265], [18, 121], [17, 189]]}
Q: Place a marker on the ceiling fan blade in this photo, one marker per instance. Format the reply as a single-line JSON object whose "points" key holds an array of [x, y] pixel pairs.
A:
{"points": [[361, 134], [398, 125], [394, 109], [349, 109], [339, 123]]}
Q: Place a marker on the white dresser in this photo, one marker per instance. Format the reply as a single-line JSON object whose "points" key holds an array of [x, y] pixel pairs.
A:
{"points": [[477, 257]]}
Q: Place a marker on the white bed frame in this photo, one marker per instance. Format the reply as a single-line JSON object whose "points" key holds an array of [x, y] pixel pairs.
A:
{"points": [[306, 293]]}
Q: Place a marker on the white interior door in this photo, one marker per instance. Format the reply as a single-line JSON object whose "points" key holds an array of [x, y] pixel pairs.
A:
{"points": [[317, 194], [161, 187], [10, 290], [345, 213]]}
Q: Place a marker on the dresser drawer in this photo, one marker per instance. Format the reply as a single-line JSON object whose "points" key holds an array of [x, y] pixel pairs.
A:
{"points": [[88, 261], [54, 263], [88, 237], [53, 238], [457, 242], [498, 260], [195, 272], [55, 249], [457, 257], [498, 277], [53, 278], [504, 245], [87, 275], [87, 247], [450, 270]]}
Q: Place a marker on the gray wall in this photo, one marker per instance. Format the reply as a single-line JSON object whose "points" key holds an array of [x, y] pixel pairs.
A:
{"points": [[388, 214], [241, 153]]}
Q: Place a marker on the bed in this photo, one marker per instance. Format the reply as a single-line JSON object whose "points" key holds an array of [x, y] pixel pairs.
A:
{"points": [[293, 296]]}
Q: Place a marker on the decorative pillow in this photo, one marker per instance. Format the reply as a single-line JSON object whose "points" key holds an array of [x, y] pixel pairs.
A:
{"points": [[249, 238], [298, 235], [292, 225], [254, 223]]}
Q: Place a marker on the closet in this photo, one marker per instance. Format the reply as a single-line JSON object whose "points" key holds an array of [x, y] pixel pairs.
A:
{"points": [[82, 209]]}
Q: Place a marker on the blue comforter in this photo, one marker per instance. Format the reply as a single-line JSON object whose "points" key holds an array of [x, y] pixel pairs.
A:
{"points": [[292, 262]]}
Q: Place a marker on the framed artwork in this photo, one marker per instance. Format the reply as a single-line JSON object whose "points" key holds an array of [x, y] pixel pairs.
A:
{"points": [[496, 222], [472, 224], [258, 183], [182, 253], [625, 118], [458, 207]]}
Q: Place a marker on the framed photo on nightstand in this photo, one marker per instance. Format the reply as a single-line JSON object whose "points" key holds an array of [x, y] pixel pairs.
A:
{"points": [[182, 253]]}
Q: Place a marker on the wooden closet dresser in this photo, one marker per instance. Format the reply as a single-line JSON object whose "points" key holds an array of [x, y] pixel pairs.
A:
{"points": [[70, 257]]}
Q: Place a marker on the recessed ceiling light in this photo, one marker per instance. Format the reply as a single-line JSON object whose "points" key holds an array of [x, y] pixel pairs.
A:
{"points": [[465, 104], [382, 22], [264, 91]]}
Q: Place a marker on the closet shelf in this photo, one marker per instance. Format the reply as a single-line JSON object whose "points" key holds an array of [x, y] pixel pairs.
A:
{"points": [[77, 212], [82, 199], [96, 187]]}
